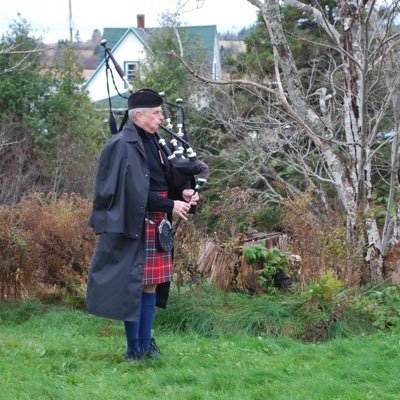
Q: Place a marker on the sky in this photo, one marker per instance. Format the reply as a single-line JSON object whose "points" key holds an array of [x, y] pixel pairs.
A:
{"points": [[50, 18]]}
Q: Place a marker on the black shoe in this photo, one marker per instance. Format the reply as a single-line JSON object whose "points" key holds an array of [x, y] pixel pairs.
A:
{"points": [[133, 357], [153, 351]]}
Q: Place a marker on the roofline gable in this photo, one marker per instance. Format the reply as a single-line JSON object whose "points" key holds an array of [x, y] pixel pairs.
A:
{"points": [[128, 30]]}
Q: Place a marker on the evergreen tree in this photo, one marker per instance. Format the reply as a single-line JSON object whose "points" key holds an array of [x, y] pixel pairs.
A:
{"points": [[47, 120], [68, 150], [304, 38], [22, 84]]}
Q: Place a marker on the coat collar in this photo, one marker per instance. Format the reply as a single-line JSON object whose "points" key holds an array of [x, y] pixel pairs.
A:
{"points": [[132, 136], [131, 133]]}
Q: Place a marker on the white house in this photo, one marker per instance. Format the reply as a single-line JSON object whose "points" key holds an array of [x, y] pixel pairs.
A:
{"points": [[128, 47], [128, 52]]}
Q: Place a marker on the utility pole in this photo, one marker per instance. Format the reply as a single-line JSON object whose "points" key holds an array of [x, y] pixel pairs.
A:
{"points": [[70, 22]]}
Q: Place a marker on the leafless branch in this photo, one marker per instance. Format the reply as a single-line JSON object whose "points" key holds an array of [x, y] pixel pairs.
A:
{"points": [[320, 18], [24, 52], [23, 62], [201, 78], [11, 143]]}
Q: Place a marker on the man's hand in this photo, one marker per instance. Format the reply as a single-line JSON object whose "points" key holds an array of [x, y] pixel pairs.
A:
{"points": [[190, 196], [181, 208]]}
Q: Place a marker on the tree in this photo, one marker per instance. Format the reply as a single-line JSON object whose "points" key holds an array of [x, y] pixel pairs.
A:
{"points": [[48, 126], [303, 35], [161, 71], [21, 87], [330, 132], [20, 84], [68, 145]]}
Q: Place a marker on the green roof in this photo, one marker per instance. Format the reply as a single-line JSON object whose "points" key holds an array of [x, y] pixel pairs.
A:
{"points": [[205, 35], [114, 35]]}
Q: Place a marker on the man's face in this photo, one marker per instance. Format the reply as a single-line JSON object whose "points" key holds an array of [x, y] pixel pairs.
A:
{"points": [[149, 119]]}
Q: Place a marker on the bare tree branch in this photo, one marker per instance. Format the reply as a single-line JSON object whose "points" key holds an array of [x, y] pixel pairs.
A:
{"points": [[23, 62], [203, 79], [319, 17], [11, 143], [24, 52]]}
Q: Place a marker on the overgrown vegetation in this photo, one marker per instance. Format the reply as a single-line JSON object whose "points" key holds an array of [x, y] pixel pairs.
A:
{"points": [[272, 262], [328, 312], [382, 307], [320, 242], [45, 247]]}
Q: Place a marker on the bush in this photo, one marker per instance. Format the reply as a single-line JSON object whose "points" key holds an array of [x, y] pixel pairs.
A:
{"points": [[320, 241], [324, 288], [382, 307], [14, 271], [57, 239], [272, 262]]}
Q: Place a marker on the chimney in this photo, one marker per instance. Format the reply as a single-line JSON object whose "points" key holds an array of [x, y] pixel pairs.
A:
{"points": [[140, 21]]}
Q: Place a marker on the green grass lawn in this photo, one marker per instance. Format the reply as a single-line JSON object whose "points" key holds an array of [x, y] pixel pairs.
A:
{"points": [[58, 353]]}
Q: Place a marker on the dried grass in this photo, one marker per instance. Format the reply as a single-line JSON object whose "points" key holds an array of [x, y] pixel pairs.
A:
{"points": [[58, 243], [320, 243]]}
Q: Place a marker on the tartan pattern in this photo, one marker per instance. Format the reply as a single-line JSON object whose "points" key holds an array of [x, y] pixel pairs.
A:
{"points": [[157, 264]]}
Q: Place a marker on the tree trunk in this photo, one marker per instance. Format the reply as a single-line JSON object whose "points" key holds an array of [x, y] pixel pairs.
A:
{"points": [[352, 177]]}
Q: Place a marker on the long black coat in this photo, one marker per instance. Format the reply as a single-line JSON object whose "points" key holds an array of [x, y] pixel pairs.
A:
{"points": [[119, 205], [122, 186]]}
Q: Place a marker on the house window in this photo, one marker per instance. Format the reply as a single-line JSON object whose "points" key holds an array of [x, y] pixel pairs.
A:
{"points": [[131, 71]]}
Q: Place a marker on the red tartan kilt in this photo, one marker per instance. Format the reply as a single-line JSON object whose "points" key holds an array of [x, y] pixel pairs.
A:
{"points": [[157, 264]]}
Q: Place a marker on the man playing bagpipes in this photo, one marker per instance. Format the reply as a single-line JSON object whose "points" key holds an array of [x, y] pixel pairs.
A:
{"points": [[129, 273]]}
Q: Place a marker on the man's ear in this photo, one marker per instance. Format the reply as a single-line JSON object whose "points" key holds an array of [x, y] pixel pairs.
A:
{"points": [[138, 114]]}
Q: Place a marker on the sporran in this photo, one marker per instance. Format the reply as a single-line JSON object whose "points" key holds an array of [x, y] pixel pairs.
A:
{"points": [[165, 236]]}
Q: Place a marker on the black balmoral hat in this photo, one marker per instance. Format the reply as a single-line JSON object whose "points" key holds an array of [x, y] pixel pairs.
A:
{"points": [[144, 98]]}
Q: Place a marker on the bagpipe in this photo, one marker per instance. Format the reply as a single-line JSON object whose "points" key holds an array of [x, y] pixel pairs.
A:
{"points": [[185, 166]]}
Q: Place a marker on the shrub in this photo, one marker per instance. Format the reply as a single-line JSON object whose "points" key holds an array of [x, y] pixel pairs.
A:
{"points": [[271, 261], [232, 211], [324, 288], [14, 271], [382, 307], [187, 242], [320, 240], [57, 239]]}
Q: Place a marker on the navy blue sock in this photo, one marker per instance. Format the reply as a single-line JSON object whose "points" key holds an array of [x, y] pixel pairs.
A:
{"points": [[132, 335], [146, 319]]}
